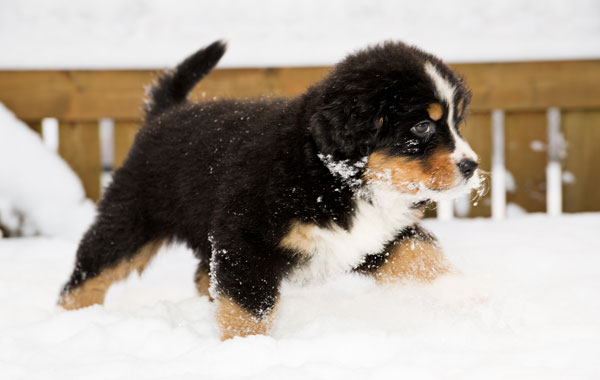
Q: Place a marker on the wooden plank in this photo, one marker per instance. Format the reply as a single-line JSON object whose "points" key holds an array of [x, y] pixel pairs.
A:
{"points": [[526, 159], [79, 145], [477, 130], [533, 85], [74, 95], [582, 133], [124, 136], [90, 95]]}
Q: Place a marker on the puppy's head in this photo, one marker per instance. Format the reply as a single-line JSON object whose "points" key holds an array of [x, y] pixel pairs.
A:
{"points": [[399, 109]]}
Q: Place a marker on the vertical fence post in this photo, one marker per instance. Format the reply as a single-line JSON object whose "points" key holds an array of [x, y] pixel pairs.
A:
{"points": [[50, 133], [79, 145], [498, 166], [445, 209], [107, 151], [553, 169]]}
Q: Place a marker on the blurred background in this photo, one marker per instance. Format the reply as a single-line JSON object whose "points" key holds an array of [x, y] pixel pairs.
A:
{"points": [[74, 73]]}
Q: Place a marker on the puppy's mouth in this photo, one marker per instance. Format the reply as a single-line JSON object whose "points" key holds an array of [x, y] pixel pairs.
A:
{"points": [[437, 177]]}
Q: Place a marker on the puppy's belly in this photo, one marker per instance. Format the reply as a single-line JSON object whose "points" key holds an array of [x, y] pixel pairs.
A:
{"points": [[333, 250]]}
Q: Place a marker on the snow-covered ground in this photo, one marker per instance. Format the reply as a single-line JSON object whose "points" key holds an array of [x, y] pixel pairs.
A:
{"points": [[157, 33], [526, 306]]}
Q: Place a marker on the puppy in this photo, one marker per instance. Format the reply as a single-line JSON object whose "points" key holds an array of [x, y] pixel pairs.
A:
{"points": [[265, 190]]}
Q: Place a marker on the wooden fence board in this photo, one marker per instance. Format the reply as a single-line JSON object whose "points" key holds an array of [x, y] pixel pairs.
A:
{"points": [[525, 133], [79, 145], [533, 85], [582, 133], [74, 95], [124, 135], [91, 95]]}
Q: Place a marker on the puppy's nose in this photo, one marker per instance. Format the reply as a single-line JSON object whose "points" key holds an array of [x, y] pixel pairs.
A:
{"points": [[467, 167]]}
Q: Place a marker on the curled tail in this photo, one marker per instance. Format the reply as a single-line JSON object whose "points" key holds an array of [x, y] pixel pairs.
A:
{"points": [[173, 87]]}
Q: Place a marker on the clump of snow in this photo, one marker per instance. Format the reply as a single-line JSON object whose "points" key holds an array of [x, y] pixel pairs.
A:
{"points": [[537, 146], [568, 177], [37, 186], [526, 306], [346, 170]]}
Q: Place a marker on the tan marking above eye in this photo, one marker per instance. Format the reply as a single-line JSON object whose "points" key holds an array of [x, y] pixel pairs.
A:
{"points": [[437, 172], [435, 111], [380, 122]]}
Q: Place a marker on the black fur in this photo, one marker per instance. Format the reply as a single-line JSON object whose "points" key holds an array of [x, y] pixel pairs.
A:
{"points": [[228, 177]]}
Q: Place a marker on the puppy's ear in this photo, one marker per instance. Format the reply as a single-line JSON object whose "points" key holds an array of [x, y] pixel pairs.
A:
{"points": [[344, 129]]}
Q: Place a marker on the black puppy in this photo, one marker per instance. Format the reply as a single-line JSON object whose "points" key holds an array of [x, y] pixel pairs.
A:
{"points": [[266, 190]]}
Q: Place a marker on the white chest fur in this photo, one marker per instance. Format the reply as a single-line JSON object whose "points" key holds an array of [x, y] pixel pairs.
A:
{"points": [[334, 250]]}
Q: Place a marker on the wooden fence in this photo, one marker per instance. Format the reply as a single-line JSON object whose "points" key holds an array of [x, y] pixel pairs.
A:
{"points": [[522, 140]]}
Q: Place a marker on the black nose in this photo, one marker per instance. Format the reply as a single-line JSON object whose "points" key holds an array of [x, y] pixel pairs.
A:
{"points": [[467, 168]]}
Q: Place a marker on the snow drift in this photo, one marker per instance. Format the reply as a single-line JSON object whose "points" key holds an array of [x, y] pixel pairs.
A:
{"points": [[39, 193]]}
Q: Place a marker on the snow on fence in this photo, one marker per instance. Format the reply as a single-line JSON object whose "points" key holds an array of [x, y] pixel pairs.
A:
{"points": [[535, 125]]}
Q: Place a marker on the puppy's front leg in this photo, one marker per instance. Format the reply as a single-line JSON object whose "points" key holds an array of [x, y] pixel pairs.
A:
{"points": [[414, 255], [236, 320], [245, 280]]}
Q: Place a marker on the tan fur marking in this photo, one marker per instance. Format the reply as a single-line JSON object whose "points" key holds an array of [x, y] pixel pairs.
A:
{"points": [[413, 259], [299, 238], [234, 321], [435, 111], [203, 283], [93, 290], [436, 173]]}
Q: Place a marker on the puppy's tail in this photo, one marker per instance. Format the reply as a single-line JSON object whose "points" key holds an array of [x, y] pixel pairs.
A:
{"points": [[173, 87]]}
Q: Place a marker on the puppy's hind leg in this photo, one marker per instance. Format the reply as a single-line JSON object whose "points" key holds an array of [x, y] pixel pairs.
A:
{"points": [[111, 249]]}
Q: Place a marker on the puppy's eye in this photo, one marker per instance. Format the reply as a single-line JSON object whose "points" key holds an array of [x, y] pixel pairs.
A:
{"points": [[424, 129]]}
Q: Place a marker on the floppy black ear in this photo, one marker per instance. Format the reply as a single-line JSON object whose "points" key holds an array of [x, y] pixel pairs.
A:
{"points": [[343, 127]]}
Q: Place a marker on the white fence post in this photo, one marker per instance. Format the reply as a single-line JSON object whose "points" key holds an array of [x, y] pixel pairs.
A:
{"points": [[445, 209], [553, 169], [50, 133], [498, 166]]}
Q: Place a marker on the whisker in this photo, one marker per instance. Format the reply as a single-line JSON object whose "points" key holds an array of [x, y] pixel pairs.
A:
{"points": [[482, 188]]}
